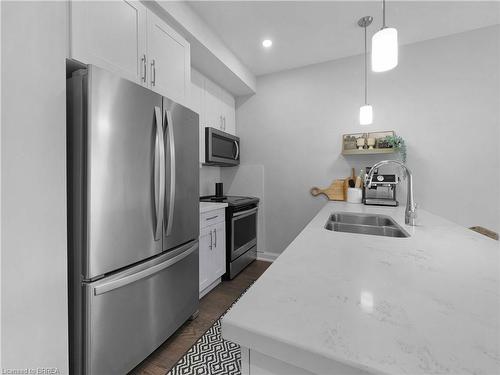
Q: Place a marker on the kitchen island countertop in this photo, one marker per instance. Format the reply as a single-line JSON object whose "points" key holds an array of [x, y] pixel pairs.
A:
{"points": [[429, 303]]}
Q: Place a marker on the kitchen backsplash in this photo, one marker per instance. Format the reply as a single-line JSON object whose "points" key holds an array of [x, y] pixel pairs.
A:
{"points": [[208, 177]]}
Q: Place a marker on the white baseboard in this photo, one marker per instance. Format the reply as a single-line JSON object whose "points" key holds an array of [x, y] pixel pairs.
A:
{"points": [[268, 257]]}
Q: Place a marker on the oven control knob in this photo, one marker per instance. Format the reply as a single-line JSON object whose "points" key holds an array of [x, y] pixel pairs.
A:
{"points": [[380, 178]]}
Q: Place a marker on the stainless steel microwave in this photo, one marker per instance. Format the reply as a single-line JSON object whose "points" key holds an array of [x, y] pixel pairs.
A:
{"points": [[221, 148]]}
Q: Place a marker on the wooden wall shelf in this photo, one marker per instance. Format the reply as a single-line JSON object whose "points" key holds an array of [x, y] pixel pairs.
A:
{"points": [[369, 152], [349, 143]]}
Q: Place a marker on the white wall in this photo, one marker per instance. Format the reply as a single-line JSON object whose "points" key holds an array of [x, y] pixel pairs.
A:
{"points": [[443, 98], [208, 177], [33, 186]]}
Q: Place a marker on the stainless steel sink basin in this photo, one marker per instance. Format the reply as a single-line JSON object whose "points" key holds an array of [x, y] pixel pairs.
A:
{"points": [[377, 225], [362, 219]]}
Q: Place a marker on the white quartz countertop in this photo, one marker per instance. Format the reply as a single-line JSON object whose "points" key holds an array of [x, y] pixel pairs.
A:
{"points": [[210, 206], [428, 304]]}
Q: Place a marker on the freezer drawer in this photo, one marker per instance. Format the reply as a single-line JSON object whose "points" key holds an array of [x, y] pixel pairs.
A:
{"points": [[130, 314]]}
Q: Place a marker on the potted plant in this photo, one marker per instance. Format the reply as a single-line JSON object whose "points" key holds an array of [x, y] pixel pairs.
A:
{"points": [[397, 143]]}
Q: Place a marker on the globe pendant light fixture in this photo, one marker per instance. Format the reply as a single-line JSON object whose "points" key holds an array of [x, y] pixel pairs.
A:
{"points": [[365, 111], [384, 47]]}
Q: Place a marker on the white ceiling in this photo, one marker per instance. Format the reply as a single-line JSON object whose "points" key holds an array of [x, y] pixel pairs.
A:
{"points": [[309, 32]]}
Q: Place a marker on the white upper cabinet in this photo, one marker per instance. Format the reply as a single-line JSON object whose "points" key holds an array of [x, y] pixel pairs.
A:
{"points": [[218, 107], [215, 106], [228, 112], [169, 60], [110, 34], [128, 39]]}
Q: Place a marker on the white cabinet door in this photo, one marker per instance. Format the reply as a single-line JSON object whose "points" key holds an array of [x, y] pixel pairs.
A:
{"points": [[219, 250], [219, 108], [110, 34], [228, 112], [206, 241], [169, 61], [212, 255], [213, 105]]}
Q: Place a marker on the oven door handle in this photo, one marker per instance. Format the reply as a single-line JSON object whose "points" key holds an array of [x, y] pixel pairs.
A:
{"points": [[245, 213]]}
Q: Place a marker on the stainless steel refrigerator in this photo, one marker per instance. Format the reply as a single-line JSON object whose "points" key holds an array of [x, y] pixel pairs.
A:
{"points": [[133, 220]]}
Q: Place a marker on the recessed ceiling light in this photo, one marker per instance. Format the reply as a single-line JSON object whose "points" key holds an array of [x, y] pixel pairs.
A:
{"points": [[267, 43]]}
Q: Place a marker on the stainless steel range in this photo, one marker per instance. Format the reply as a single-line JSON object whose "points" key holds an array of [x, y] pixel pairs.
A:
{"points": [[241, 231]]}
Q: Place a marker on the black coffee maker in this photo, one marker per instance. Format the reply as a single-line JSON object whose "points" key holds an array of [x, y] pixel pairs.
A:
{"points": [[219, 190]]}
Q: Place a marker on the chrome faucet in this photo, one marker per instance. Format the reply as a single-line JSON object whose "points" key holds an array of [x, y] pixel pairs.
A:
{"points": [[411, 207]]}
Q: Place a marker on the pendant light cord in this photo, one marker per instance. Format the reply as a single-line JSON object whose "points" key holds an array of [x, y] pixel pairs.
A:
{"points": [[383, 14], [366, 73]]}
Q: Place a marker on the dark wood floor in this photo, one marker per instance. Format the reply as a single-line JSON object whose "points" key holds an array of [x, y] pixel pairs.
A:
{"points": [[212, 306]]}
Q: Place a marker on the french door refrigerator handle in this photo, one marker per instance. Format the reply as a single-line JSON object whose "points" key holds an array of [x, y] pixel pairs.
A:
{"points": [[129, 279], [170, 128], [159, 175]]}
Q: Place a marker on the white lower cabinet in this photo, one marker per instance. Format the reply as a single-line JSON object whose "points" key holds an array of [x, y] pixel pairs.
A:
{"points": [[212, 249]]}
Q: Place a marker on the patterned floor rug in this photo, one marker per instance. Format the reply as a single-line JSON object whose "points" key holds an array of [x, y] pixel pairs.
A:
{"points": [[211, 354]]}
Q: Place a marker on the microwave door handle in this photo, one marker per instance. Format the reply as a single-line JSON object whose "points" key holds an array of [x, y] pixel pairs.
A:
{"points": [[237, 150], [159, 176], [170, 128]]}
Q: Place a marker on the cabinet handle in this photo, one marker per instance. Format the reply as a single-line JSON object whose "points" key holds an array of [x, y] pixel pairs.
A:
{"points": [[143, 59], [221, 126], [153, 73], [224, 122], [215, 233], [212, 217], [211, 241]]}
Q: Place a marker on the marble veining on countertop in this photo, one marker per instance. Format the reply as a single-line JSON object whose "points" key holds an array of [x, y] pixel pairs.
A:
{"points": [[428, 304], [210, 206]]}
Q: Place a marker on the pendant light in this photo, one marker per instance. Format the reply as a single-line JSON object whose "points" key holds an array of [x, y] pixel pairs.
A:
{"points": [[384, 47], [365, 111]]}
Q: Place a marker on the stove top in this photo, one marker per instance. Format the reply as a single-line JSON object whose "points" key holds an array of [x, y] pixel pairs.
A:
{"points": [[232, 201]]}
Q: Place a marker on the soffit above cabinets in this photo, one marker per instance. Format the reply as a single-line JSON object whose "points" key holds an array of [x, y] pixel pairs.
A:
{"points": [[209, 54], [309, 32]]}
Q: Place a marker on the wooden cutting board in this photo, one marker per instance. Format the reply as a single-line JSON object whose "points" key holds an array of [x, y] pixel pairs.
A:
{"points": [[334, 192]]}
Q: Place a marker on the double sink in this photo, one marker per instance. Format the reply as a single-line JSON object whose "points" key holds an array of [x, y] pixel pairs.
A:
{"points": [[377, 225]]}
